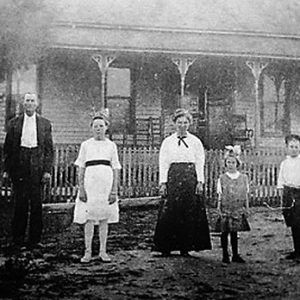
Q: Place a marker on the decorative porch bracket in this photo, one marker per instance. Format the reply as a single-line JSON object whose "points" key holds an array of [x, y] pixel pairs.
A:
{"points": [[183, 64], [256, 68], [103, 62]]}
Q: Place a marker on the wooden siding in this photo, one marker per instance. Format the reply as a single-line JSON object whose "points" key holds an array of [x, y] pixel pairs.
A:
{"points": [[2, 119]]}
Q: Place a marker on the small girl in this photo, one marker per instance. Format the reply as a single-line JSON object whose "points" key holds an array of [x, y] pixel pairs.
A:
{"points": [[233, 204]]}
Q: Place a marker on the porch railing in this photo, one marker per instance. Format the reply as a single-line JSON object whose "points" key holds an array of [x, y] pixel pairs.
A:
{"points": [[139, 174]]}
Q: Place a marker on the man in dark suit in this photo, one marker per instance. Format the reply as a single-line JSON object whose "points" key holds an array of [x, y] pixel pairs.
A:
{"points": [[28, 158]]}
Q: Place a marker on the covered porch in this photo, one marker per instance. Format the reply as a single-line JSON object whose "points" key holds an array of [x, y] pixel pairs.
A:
{"points": [[232, 99], [238, 75]]}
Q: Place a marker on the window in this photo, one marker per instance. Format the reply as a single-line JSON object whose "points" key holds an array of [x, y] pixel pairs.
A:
{"points": [[273, 107], [23, 81], [119, 99]]}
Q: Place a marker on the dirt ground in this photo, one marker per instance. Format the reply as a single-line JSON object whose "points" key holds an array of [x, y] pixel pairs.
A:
{"points": [[137, 273]]}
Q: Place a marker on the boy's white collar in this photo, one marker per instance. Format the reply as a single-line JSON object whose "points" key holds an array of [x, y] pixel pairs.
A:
{"points": [[233, 175]]}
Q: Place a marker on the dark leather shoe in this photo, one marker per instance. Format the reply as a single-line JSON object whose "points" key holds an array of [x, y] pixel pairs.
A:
{"points": [[165, 254], [238, 259], [185, 254], [226, 259], [13, 249], [38, 246], [293, 255]]}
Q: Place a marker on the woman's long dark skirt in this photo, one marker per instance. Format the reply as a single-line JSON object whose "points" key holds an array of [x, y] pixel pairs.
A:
{"points": [[182, 222]]}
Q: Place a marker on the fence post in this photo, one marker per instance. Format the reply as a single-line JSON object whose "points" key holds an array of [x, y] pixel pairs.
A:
{"points": [[151, 132], [140, 174]]}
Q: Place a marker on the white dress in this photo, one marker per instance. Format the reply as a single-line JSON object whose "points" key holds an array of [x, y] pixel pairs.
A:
{"points": [[98, 181]]}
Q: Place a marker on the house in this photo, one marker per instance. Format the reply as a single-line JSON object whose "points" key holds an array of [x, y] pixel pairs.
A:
{"points": [[233, 64]]}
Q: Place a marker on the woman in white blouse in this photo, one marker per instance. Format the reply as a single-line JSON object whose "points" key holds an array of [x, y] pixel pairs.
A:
{"points": [[98, 182], [182, 222]]}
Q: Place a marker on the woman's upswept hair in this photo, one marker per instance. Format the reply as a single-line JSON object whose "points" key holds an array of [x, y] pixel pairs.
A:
{"points": [[181, 112], [101, 115]]}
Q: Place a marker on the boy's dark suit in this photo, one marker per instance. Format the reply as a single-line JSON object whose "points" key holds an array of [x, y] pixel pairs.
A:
{"points": [[26, 167]]}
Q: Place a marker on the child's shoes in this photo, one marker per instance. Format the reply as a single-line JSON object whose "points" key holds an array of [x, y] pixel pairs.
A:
{"points": [[238, 259], [86, 258], [104, 257], [226, 259], [293, 255]]}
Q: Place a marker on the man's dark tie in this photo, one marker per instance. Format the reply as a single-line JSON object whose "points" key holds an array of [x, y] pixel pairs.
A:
{"points": [[181, 139]]}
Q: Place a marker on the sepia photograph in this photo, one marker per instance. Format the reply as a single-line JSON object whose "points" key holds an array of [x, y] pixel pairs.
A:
{"points": [[150, 149]]}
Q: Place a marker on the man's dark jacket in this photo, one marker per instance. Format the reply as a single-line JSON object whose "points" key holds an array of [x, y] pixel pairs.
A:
{"points": [[12, 147]]}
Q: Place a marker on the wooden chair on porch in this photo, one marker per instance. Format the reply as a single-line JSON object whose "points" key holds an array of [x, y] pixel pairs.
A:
{"points": [[241, 134], [148, 131]]}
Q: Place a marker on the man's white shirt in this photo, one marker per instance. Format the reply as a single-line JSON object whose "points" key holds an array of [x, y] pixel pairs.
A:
{"points": [[289, 174], [29, 132]]}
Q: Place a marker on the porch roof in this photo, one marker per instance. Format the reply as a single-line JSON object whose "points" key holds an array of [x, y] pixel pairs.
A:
{"points": [[253, 28]]}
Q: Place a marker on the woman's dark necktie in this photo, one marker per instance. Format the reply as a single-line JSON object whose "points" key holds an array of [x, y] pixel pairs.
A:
{"points": [[181, 139]]}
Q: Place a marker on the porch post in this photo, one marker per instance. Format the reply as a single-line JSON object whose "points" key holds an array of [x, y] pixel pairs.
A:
{"points": [[256, 68], [8, 99], [103, 62], [183, 64], [277, 79]]}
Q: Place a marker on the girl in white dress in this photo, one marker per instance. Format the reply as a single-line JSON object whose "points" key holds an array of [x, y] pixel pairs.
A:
{"points": [[97, 203]]}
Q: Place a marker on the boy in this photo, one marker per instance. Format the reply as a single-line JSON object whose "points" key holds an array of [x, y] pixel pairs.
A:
{"points": [[289, 186]]}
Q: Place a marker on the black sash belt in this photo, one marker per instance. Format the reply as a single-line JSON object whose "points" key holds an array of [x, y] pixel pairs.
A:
{"points": [[28, 149], [97, 162]]}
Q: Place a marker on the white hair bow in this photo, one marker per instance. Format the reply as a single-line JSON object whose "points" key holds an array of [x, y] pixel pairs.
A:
{"points": [[236, 149]]}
